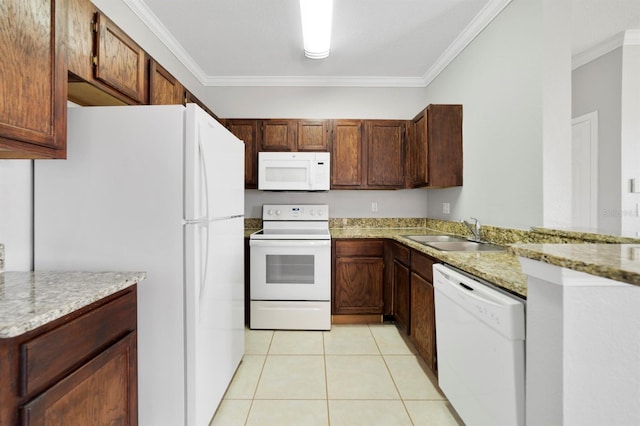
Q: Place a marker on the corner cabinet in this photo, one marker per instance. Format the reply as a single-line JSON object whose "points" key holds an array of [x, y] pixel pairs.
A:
{"points": [[79, 369], [33, 78], [435, 147], [357, 277]]}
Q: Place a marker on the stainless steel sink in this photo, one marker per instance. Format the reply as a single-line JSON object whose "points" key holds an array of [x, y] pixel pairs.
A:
{"points": [[425, 239], [464, 246]]}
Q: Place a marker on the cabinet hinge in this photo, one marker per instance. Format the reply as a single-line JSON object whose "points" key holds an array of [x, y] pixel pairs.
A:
{"points": [[94, 26], [94, 60]]}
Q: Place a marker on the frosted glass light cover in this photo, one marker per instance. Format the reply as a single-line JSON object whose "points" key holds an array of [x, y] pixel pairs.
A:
{"points": [[316, 27]]}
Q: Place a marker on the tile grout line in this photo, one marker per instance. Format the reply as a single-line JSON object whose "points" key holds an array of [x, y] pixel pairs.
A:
{"points": [[253, 397], [392, 378], [326, 378]]}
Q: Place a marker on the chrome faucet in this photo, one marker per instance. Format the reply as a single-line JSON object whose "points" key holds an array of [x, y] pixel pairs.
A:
{"points": [[475, 228]]}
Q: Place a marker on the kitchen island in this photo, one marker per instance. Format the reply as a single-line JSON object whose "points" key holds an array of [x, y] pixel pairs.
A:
{"points": [[68, 347]]}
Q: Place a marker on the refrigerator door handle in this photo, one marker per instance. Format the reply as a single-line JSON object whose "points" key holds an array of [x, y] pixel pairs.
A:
{"points": [[204, 178], [202, 287]]}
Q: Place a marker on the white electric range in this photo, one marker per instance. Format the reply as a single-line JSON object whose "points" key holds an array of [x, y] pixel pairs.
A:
{"points": [[291, 268]]}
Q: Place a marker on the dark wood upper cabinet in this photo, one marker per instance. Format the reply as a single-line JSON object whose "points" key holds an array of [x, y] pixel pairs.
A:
{"points": [[247, 131], [278, 135], [347, 154], [33, 78], [164, 89], [313, 135], [119, 61], [435, 147], [385, 153]]}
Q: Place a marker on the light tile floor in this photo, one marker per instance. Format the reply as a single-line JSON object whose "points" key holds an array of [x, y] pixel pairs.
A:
{"points": [[352, 375]]}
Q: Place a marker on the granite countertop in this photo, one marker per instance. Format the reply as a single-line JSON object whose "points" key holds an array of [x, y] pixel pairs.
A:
{"points": [[620, 262], [31, 299], [500, 268]]}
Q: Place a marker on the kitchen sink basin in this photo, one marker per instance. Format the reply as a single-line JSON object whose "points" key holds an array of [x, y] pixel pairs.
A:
{"points": [[425, 239], [464, 246]]}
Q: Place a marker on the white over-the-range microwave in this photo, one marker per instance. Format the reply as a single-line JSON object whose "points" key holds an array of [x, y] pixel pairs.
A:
{"points": [[294, 171]]}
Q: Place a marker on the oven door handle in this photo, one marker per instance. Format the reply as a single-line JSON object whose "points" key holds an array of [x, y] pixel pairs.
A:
{"points": [[289, 243]]}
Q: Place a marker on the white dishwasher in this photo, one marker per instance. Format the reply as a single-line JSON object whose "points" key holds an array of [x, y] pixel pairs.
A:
{"points": [[480, 338]]}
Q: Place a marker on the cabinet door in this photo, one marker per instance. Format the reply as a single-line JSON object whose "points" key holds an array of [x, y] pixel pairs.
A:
{"points": [[247, 131], [278, 135], [120, 61], [313, 135], [401, 295], [103, 391], [417, 152], [164, 89], [33, 78], [423, 319], [358, 286], [347, 154], [444, 145], [385, 154], [80, 40]]}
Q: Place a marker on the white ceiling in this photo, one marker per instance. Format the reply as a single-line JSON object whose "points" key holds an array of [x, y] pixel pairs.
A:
{"points": [[389, 43]]}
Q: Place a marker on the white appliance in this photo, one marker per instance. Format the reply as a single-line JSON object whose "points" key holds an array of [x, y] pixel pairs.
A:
{"points": [[480, 340], [291, 269], [294, 171], [158, 189]]}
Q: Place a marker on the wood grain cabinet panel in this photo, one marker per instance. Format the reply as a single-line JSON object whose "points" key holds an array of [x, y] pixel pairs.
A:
{"points": [[313, 135], [33, 78], [401, 296], [435, 147], [120, 61], [423, 319], [347, 154], [100, 392], [80, 50], [278, 135], [164, 89], [358, 268], [247, 131], [385, 154]]}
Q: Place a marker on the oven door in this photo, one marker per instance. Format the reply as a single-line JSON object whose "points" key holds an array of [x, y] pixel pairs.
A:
{"points": [[290, 269]]}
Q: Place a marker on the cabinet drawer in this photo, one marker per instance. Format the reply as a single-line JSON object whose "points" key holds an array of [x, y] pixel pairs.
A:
{"points": [[57, 352], [360, 248], [422, 265], [400, 253]]}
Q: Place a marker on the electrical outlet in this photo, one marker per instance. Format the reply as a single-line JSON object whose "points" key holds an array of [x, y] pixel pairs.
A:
{"points": [[374, 206], [446, 208]]}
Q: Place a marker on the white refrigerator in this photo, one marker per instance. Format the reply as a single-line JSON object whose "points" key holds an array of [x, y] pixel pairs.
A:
{"points": [[157, 189]]}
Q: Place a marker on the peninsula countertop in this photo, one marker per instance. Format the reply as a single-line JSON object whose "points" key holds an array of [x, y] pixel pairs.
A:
{"points": [[31, 299], [619, 262]]}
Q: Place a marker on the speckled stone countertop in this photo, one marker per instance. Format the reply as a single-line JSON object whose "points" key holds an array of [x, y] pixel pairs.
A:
{"points": [[620, 262], [31, 299], [500, 268]]}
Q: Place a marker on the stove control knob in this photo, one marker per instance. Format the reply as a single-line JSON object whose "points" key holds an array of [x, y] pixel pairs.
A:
{"points": [[277, 212], [269, 212], [312, 213], [319, 212]]}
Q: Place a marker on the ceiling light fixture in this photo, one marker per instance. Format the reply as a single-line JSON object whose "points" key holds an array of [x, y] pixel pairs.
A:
{"points": [[316, 27]]}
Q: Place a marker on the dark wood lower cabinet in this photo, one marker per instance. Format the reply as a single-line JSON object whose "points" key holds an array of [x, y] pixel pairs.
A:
{"points": [[97, 393], [423, 318], [401, 296], [357, 277], [80, 369]]}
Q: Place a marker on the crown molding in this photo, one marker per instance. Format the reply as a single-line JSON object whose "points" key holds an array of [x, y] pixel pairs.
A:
{"points": [[471, 31], [488, 13], [625, 38], [314, 81]]}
